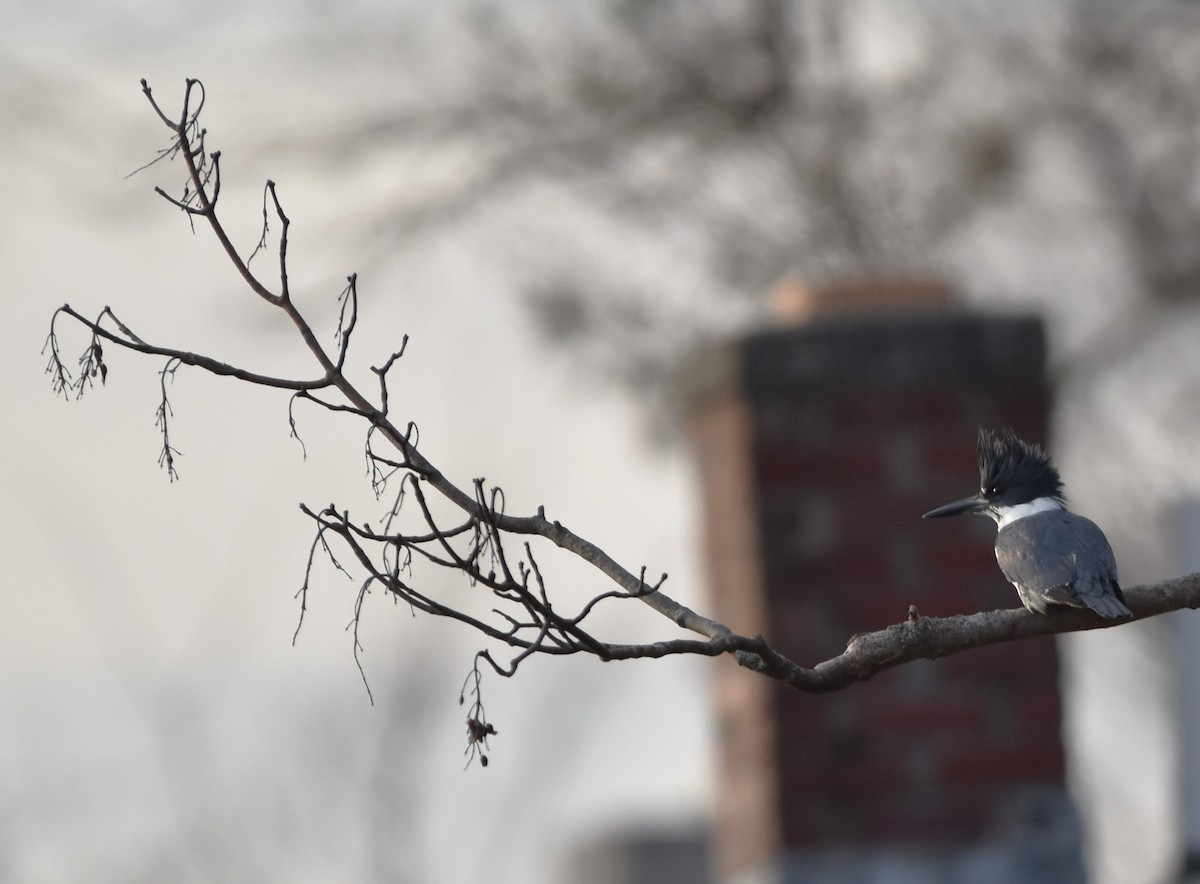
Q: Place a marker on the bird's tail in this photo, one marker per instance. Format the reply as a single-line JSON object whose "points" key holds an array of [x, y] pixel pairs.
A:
{"points": [[1103, 596]]}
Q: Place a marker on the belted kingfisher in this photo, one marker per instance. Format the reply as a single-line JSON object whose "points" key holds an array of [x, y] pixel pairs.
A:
{"points": [[1052, 557]]}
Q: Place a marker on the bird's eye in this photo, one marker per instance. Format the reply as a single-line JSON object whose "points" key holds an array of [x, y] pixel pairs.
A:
{"points": [[992, 490]]}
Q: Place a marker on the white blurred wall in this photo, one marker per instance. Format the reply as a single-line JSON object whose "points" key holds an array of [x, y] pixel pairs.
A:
{"points": [[157, 722]]}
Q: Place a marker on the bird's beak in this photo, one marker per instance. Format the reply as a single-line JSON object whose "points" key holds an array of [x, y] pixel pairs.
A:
{"points": [[973, 504]]}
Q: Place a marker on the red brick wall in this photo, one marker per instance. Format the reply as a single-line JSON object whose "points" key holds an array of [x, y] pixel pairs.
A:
{"points": [[819, 449]]}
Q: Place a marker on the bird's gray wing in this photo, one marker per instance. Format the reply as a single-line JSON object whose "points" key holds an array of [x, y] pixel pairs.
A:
{"points": [[1093, 541], [1038, 552], [1096, 580], [1063, 557]]}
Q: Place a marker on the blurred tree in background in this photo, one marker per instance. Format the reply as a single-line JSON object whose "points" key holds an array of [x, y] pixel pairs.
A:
{"points": [[724, 146]]}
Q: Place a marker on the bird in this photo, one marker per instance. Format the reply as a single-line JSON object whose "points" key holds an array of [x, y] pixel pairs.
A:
{"points": [[1051, 555]]}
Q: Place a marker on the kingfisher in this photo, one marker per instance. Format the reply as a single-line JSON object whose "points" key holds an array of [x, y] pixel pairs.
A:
{"points": [[1052, 556]]}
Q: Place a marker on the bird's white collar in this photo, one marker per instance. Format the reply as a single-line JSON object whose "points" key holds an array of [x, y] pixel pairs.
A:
{"points": [[1006, 515]]}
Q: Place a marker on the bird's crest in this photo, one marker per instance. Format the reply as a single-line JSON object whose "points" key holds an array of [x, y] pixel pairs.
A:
{"points": [[1007, 463]]}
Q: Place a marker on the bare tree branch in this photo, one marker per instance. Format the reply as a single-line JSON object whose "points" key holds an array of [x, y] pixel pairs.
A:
{"points": [[527, 616]]}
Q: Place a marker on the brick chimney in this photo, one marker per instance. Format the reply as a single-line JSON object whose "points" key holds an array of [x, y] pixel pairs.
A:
{"points": [[819, 447]]}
